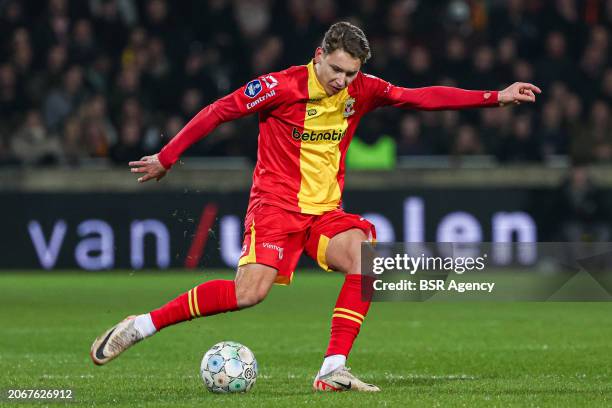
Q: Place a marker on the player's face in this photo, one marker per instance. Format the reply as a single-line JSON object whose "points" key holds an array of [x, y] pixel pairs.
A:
{"points": [[336, 70]]}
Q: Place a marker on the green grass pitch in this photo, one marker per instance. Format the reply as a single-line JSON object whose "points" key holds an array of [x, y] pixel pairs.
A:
{"points": [[420, 354]]}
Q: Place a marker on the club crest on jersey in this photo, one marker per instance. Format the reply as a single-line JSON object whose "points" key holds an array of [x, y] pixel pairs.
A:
{"points": [[348, 107], [253, 88]]}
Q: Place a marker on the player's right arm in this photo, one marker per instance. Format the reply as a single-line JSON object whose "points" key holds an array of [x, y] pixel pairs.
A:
{"points": [[263, 93]]}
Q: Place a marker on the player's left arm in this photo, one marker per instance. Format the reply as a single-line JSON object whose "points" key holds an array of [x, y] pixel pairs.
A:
{"points": [[446, 97]]}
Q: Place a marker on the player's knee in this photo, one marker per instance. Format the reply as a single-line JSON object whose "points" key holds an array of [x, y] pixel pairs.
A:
{"points": [[250, 296], [349, 262], [253, 282], [353, 264]]}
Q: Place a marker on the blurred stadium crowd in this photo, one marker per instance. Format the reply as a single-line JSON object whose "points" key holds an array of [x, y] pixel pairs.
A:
{"points": [[115, 79]]}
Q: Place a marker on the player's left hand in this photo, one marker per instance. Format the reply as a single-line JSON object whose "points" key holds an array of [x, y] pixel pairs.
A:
{"points": [[518, 93]]}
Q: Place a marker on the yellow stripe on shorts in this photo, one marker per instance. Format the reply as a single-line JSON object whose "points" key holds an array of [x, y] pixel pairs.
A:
{"points": [[321, 249], [251, 257]]}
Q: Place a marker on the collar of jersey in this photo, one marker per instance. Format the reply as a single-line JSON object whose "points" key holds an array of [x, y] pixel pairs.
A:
{"points": [[311, 71]]}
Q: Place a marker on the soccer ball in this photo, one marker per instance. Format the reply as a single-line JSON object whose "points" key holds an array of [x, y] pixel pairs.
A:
{"points": [[229, 367]]}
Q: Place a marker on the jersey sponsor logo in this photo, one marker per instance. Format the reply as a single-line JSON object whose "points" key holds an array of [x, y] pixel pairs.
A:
{"points": [[313, 136], [259, 100], [253, 88], [270, 81], [348, 107], [312, 112], [274, 247]]}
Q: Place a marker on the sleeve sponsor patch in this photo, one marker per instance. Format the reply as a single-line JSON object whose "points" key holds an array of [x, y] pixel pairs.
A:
{"points": [[253, 88], [261, 99], [270, 81]]}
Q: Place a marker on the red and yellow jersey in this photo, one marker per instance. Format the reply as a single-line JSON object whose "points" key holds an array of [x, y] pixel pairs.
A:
{"points": [[304, 134]]}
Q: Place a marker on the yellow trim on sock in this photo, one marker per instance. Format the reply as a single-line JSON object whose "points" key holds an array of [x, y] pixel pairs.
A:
{"points": [[195, 301], [190, 305], [348, 317], [349, 311]]}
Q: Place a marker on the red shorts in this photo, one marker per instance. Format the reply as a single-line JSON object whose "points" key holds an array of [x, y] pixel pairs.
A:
{"points": [[276, 237]]}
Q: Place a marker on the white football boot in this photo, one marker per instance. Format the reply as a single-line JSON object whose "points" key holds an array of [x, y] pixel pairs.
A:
{"points": [[115, 341], [341, 379]]}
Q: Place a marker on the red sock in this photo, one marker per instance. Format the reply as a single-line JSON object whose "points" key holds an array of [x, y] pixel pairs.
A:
{"points": [[348, 316], [207, 299]]}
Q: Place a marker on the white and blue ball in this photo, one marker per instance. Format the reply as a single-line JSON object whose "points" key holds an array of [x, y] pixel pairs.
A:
{"points": [[229, 367]]}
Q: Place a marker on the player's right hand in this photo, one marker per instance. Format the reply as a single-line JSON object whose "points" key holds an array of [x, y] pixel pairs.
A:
{"points": [[149, 165]]}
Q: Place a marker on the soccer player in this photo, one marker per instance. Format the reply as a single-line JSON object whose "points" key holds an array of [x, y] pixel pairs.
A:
{"points": [[307, 117]]}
